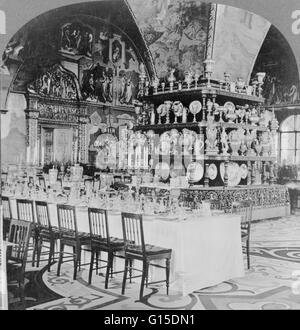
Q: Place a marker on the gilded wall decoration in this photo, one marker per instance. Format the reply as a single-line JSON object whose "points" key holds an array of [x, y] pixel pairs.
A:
{"points": [[57, 83], [76, 39]]}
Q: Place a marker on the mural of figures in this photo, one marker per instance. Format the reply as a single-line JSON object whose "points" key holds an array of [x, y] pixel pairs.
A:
{"points": [[57, 82], [77, 39], [128, 87], [116, 51], [101, 50], [97, 84]]}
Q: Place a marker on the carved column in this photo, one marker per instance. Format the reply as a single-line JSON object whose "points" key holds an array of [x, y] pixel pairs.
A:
{"points": [[32, 150], [83, 140]]}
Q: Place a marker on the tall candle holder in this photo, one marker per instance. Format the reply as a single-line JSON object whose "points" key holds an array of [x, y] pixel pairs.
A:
{"points": [[172, 80], [208, 70], [260, 79]]}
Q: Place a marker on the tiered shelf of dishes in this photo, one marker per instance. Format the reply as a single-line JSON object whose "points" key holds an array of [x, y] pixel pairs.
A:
{"points": [[211, 138]]}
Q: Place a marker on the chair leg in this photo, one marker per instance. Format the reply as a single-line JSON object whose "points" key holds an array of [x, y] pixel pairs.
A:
{"points": [[97, 262], [51, 253], [130, 270], [77, 261], [147, 275], [61, 253], [34, 242], [22, 290], [144, 274], [39, 251], [91, 266], [125, 275], [167, 275], [110, 260], [248, 253]]}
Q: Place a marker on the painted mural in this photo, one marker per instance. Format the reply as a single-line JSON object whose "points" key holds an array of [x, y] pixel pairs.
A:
{"points": [[108, 64], [175, 32], [239, 35]]}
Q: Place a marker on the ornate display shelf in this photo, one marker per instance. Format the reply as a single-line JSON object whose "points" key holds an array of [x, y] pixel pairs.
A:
{"points": [[200, 92], [270, 201], [229, 158], [163, 127], [239, 158]]}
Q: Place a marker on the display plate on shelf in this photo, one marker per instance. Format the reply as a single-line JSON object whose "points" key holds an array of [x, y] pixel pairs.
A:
{"points": [[195, 107], [162, 170], [195, 172], [244, 171], [229, 106], [162, 110], [212, 171], [234, 173], [177, 108]]}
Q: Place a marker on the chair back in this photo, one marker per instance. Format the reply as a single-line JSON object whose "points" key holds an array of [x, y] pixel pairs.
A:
{"points": [[67, 222], [42, 215], [133, 231], [25, 210], [244, 208], [6, 208], [98, 224], [19, 234]]}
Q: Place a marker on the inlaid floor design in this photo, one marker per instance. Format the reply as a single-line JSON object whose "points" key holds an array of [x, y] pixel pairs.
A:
{"points": [[273, 282]]}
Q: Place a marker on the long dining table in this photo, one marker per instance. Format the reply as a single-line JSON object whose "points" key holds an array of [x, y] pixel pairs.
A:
{"points": [[206, 250]]}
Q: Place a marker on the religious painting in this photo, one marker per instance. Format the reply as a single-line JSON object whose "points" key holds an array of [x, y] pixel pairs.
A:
{"points": [[97, 84], [101, 48], [76, 39], [127, 87], [56, 82], [117, 51]]}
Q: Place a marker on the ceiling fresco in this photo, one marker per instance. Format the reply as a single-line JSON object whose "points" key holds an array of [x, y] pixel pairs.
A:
{"points": [[175, 32], [109, 40]]}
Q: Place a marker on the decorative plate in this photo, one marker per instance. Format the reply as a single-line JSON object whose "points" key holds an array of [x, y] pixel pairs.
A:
{"points": [[178, 108], [212, 172], [195, 172], [244, 171], [229, 106], [162, 110], [162, 170], [234, 173], [195, 107]]}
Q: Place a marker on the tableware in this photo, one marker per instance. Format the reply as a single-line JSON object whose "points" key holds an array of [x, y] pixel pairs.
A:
{"points": [[234, 173], [212, 171], [195, 172], [244, 171], [165, 144], [195, 107], [162, 170], [177, 109]]}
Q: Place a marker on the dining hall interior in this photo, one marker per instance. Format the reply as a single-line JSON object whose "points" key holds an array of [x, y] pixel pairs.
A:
{"points": [[150, 159]]}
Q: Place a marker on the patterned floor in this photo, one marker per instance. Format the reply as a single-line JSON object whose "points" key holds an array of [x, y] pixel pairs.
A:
{"points": [[273, 282]]}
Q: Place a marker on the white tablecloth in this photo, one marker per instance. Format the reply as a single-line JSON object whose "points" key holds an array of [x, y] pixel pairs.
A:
{"points": [[206, 250]]}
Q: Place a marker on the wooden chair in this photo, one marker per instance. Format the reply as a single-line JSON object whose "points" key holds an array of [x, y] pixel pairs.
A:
{"points": [[244, 208], [19, 234], [102, 242], [25, 210], [135, 248], [7, 216], [69, 236], [47, 233]]}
